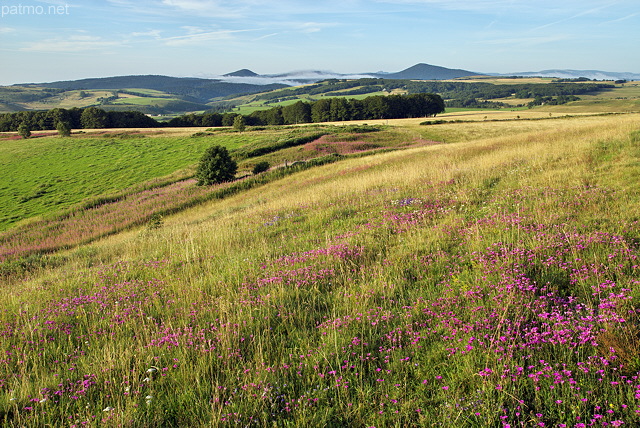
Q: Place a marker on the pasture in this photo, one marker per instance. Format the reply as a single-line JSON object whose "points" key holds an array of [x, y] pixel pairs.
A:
{"points": [[487, 280]]}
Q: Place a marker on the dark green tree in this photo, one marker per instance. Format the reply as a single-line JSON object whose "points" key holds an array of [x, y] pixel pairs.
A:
{"points": [[55, 116], [299, 112], [339, 109], [376, 107], [63, 128], [94, 118], [274, 116], [321, 110], [239, 123], [24, 130], [211, 119], [228, 118], [216, 166]]}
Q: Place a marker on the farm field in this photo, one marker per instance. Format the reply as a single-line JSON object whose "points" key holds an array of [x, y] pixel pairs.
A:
{"points": [[152, 100], [252, 106], [49, 172], [477, 272], [101, 205]]}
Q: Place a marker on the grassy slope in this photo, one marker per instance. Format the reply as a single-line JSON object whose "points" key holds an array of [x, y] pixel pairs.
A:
{"points": [[50, 173], [252, 106], [70, 99], [623, 98], [464, 284]]}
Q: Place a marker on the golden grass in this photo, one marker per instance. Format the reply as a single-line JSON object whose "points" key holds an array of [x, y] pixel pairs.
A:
{"points": [[596, 105], [483, 150], [209, 254], [484, 146], [489, 148]]}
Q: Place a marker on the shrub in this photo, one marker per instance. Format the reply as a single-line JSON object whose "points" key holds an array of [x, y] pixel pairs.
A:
{"points": [[63, 128], [261, 167], [24, 130], [216, 166], [239, 123]]}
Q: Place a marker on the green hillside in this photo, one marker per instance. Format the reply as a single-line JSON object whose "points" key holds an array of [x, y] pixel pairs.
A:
{"points": [[487, 281], [145, 100], [52, 173], [475, 93], [162, 95]]}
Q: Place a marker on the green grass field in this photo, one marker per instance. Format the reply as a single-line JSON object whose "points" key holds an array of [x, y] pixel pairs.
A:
{"points": [[484, 273], [252, 106], [54, 173], [73, 98], [143, 101]]}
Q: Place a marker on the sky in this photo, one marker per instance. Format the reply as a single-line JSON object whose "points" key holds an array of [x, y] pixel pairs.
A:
{"points": [[50, 40]]}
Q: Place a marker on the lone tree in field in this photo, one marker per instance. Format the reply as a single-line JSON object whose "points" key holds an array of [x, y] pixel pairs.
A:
{"points": [[216, 166], [63, 128], [24, 130], [239, 123]]}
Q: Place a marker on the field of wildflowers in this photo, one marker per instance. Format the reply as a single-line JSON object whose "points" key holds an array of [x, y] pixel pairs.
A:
{"points": [[485, 283], [103, 215]]}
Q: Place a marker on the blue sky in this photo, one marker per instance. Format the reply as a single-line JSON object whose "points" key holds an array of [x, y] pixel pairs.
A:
{"points": [[59, 40]]}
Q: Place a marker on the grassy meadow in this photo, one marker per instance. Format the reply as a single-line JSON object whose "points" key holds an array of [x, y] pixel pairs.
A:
{"points": [[106, 207], [51, 173], [48, 173], [480, 273]]}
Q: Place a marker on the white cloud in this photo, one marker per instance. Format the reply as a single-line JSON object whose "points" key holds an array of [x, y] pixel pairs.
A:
{"points": [[193, 30], [470, 5], [156, 34], [537, 7], [266, 36], [6, 30], [312, 27], [293, 78], [624, 18], [70, 44], [201, 37], [207, 7], [592, 11]]}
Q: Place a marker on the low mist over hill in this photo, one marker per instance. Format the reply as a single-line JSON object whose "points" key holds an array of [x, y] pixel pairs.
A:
{"points": [[574, 74], [166, 95]]}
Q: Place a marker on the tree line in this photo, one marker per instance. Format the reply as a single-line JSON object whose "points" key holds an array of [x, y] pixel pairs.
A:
{"points": [[327, 110], [323, 110], [448, 90], [75, 118]]}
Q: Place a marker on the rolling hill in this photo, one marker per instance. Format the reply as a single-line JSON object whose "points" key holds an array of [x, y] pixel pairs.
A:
{"points": [[427, 72], [488, 281], [192, 89], [156, 94]]}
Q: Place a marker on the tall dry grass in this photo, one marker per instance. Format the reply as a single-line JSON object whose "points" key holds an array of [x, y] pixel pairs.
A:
{"points": [[488, 282]]}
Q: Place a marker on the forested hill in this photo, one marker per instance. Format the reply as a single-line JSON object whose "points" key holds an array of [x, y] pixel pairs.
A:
{"points": [[201, 90], [427, 72]]}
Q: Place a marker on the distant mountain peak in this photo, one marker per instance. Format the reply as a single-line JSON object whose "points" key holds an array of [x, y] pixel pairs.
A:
{"points": [[242, 73], [424, 71]]}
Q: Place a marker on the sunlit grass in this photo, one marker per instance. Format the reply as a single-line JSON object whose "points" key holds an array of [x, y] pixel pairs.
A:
{"points": [[486, 282]]}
